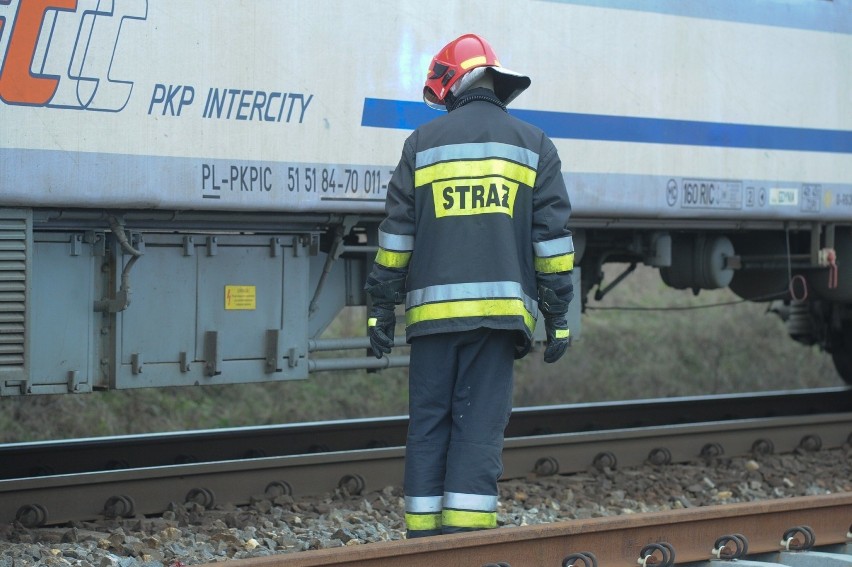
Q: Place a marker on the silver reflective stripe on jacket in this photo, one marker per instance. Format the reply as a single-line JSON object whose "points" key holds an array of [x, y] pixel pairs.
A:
{"points": [[396, 242], [477, 151], [555, 247], [471, 290]]}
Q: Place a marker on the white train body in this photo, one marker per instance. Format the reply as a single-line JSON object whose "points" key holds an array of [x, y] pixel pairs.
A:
{"points": [[200, 105], [680, 124]]}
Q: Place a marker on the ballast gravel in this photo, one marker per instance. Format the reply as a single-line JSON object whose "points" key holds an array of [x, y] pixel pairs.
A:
{"points": [[188, 534]]}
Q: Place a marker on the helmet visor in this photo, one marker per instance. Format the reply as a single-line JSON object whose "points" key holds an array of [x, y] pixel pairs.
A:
{"points": [[431, 99]]}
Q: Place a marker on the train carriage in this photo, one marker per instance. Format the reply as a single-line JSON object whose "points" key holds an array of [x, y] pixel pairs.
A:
{"points": [[190, 191]]}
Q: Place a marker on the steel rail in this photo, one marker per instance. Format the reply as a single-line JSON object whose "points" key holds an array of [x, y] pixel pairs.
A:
{"points": [[127, 493], [20, 460], [615, 541]]}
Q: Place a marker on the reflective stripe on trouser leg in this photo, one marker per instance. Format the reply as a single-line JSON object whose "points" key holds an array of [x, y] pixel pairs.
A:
{"points": [[431, 377], [465, 512], [482, 403], [423, 515]]}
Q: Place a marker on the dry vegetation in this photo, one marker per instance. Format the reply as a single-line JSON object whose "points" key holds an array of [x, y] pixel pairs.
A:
{"points": [[623, 354]]}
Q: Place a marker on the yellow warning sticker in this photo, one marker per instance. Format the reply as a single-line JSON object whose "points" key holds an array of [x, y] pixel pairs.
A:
{"points": [[241, 297]]}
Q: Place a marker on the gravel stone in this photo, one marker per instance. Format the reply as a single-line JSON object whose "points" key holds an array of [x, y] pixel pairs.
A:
{"points": [[189, 534]]}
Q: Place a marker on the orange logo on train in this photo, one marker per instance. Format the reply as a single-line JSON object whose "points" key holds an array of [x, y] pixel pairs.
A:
{"points": [[60, 53]]}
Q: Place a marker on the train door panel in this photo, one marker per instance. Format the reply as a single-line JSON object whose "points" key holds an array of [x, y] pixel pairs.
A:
{"points": [[215, 310], [62, 319], [157, 329]]}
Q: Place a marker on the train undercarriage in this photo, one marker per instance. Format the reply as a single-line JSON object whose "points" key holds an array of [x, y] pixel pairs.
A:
{"points": [[154, 299], [802, 270]]}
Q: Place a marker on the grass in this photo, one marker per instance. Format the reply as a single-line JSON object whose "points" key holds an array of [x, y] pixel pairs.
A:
{"points": [[630, 354], [623, 354]]}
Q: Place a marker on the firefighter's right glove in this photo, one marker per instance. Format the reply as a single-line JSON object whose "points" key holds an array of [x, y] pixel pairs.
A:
{"points": [[380, 323], [555, 324]]}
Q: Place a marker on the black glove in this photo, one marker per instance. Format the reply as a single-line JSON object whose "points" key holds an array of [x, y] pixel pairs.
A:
{"points": [[557, 338], [381, 322], [555, 324]]}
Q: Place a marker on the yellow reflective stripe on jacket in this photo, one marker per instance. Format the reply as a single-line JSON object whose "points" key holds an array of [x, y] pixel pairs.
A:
{"points": [[471, 308], [555, 264], [468, 291], [474, 168], [422, 521], [391, 259], [468, 519]]}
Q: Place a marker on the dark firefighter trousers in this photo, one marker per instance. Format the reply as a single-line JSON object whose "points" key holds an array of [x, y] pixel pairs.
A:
{"points": [[460, 398]]}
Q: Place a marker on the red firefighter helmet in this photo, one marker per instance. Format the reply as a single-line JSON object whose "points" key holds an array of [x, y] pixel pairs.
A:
{"points": [[461, 56]]}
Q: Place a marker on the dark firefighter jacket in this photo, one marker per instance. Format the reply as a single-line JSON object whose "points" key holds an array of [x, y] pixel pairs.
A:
{"points": [[476, 221]]}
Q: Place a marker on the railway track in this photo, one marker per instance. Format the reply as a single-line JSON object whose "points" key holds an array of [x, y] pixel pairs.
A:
{"points": [[22, 460], [59, 498], [807, 531]]}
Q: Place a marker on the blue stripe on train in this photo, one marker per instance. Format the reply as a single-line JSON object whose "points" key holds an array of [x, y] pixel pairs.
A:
{"points": [[833, 16], [407, 115]]}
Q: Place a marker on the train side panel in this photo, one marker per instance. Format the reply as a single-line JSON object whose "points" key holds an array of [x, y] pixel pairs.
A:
{"points": [[298, 106]]}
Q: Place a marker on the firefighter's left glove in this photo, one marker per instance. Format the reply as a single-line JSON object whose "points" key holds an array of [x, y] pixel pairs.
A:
{"points": [[380, 323], [555, 325], [558, 338]]}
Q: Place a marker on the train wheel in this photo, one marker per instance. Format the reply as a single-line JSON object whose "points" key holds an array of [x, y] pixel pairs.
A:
{"points": [[842, 353]]}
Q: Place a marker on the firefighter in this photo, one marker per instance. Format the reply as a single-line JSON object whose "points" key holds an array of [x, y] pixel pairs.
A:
{"points": [[474, 241]]}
